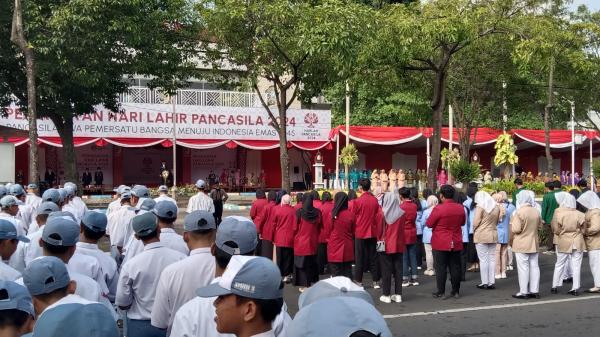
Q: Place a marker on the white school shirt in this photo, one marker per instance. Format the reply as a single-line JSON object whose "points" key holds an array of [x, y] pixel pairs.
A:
{"points": [[196, 318], [8, 273], [168, 237], [139, 277], [164, 197], [80, 206], [178, 283], [202, 202], [113, 206], [120, 229], [90, 267], [73, 210], [108, 264], [33, 200], [24, 215]]}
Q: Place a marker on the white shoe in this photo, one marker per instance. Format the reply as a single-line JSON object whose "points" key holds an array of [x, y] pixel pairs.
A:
{"points": [[397, 298], [503, 275], [509, 267], [385, 299], [376, 285], [418, 268], [405, 284], [414, 283], [498, 276]]}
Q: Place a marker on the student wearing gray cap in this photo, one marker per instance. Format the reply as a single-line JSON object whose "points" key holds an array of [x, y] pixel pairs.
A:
{"points": [[33, 249], [9, 208], [76, 201], [16, 309], [119, 222], [235, 236], [9, 240], [3, 191], [76, 320], [68, 205], [33, 199], [93, 228], [25, 211], [249, 297], [139, 193], [139, 277], [166, 212], [201, 201], [179, 281], [53, 195], [163, 195], [116, 204]]}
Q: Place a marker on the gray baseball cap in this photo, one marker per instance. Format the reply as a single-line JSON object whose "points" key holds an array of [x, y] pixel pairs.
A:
{"points": [[247, 276], [140, 191], [344, 315], [240, 230], [147, 205], [18, 298], [163, 188], [126, 194], [47, 207], [63, 228], [332, 287], [144, 224], [200, 183], [16, 190], [71, 185], [77, 320], [53, 195], [8, 201], [95, 221], [3, 191], [165, 209], [70, 190], [63, 214], [63, 193], [45, 275], [32, 187], [8, 231], [121, 189], [199, 220]]}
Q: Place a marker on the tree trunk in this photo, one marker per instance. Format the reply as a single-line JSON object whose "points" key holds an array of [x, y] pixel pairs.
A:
{"points": [[437, 109], [284, 159], [347, 179], [547, 112], [64, 127], [17, 36]]}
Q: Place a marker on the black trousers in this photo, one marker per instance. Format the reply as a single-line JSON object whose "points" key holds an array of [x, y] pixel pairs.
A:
{"points": [[305, 270], [285, 260], [420, 250], [341, 269], [463, 263], [266, 249], [322, 257], [391, 266], [471, 251], [444, 260], [218, 214], [366, 257]]}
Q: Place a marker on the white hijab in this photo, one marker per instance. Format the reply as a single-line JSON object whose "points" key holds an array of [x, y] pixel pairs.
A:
{"points": [[484, 200], [527, 197], [391, 208], [565, 200], [589, 200]]}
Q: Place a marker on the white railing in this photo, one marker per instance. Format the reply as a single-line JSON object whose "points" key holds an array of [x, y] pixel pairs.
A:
{"points": [[192, 97]]}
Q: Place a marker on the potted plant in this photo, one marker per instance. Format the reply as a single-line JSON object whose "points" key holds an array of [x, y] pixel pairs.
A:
{"points": [[348, 157], [505, 153], [464, 172]]}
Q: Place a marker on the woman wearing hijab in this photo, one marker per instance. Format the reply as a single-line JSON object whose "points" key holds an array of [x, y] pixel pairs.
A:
{"points": [[351, 197], [268, 227], [326, 208], [299, 198], [591, 233], [409, 264], [340, 248], [284, 217], [432, 201], [485, 235], [506, 211], [391, 260], [568, 226], [524, 225], [306, 236], [316, 199]]}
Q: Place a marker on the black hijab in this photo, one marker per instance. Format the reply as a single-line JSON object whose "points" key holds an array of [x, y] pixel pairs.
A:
{"points": [[340, 203], [326, 197], [308, 212], [299, 197], [260, 194], [352, 195], [272, 196]]}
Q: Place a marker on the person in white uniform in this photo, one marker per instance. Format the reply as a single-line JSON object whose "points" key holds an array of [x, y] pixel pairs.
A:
{"points": [[166, 212], [118, 222], [33, 199], [33, 249], [50, 195], [249, 297], [591, 202], [9, 240], [568, 226], [69, 206], [116, 204], [25, 211], [76, 201], [179, 281], [235, 236], [201, 201], [139, 277], [164, 196], [9, 208], [16, 309], [93, 228]]}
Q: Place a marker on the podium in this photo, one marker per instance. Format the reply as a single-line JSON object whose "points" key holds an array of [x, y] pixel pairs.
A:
{"points": [[318, 176]]}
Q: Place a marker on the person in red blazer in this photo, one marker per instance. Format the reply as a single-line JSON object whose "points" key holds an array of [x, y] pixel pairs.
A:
{"points": [[409, 262], [306, 237], [340, 247], [351, 197], [445, 221], [326, 208], [299, 197], [365, 209], [257, 211], [316, 199], [284, 217], [393, 232], [266, 234]]}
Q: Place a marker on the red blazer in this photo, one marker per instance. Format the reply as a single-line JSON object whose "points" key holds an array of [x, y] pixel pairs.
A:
{"points": [[317, 204], [351, 205], [257, 213], [394, 235], [284, 218], [410, 218], [340, 247], [306, 237], [298, 206], [445, 221], [268, 227], [326, 209], [365, 210]]}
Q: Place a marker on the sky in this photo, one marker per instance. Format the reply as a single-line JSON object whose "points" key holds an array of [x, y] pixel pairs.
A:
{"points": [[594, 5]]}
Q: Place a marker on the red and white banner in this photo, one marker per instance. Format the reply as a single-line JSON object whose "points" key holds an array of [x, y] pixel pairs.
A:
{"points": [[192, 122]]}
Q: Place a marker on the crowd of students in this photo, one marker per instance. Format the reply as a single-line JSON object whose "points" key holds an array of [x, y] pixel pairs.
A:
{"points": [[228, 278]]}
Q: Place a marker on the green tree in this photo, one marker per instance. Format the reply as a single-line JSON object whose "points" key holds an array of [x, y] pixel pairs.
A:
{"points": [[298, 47]]}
